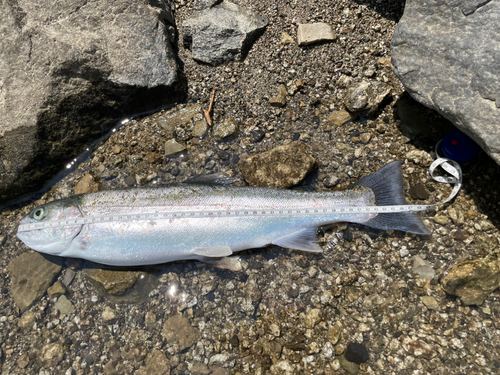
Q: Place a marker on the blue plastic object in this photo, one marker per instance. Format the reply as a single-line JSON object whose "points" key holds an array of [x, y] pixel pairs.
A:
{"points": [[459, 147]]}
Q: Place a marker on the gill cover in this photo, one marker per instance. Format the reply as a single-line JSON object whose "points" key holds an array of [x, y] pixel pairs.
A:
{"points": [[51, 240]]}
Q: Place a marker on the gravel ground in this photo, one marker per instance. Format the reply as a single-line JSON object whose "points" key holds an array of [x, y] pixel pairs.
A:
{"points": [[286, 312]]}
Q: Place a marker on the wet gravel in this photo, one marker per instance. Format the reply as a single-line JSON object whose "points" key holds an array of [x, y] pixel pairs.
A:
{"points": [[286, 312]]}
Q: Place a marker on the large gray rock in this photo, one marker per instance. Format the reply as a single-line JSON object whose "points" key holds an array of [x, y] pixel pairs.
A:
{"points": [[222, 32], [69, 71], [446, 54]]}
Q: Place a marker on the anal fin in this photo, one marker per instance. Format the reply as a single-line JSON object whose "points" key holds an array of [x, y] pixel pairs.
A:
{"points": [[304, 239], [213, 251], [229, 263]]}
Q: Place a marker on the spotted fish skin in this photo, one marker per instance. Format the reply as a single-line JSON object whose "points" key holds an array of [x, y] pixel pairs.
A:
{"points": [[145, 242]]}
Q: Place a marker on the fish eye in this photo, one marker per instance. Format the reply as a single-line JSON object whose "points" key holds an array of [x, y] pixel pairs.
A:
{"points": [[38, 213]]}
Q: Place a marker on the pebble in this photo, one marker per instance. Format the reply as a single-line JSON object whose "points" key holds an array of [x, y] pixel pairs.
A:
{"points": [[56, 290], [179, 333], [227, 129], [157, 363], [423, 268], [280, 167], [312, 318], [108, 314], [356, 353], [365, 97], [472, 280], [64, 305], [152, 157], [365, 138], [417, 347], [29, 287], [51, 354], [311, 33], [418, 191], [117, 149], [286, 39], [350, 367], [114, 282], [339, 118], [420, 157], [130, 180], [440, 219], [430, 302], [27, 319], [172, 147], [86, 185], [280, 99]]}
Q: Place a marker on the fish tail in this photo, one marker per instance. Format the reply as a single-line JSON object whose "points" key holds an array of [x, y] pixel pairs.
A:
{"points": [[387, 185]]}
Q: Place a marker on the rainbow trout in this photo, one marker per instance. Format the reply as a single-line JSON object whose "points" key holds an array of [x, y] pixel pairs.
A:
{"points": [[122, 228]]}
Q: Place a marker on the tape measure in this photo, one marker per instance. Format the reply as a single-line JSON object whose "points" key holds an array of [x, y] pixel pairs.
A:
{"points": [[450, 166]]}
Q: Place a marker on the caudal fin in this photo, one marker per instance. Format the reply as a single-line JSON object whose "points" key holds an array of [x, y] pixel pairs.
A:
{"points": [[387, 185]]}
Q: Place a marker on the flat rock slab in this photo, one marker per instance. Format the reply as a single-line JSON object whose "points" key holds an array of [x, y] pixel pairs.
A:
{"points": [[281, 167], [31, 275], [222, 33], [70, 71], [310, 33], [446, 55], [114, 282]]}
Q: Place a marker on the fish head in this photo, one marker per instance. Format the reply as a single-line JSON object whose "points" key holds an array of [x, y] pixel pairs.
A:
{"points": [[53, 239]]}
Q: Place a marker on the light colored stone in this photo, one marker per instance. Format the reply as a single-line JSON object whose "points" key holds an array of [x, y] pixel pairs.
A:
{"points": [[339, 118], [430, 302], [56, 290], [172, 147], [64, 305], [310, 33], [312, 318]]}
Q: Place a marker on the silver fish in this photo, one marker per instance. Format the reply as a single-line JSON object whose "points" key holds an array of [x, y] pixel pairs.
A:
{"points": [[209, 239]]}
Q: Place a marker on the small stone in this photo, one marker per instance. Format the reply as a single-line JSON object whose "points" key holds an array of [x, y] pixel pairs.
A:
{"points": [[26, 320], [108, 314], [64, 305], [280, 167], [51, 354], [113, 282], [356, 353], [310, 33], [418, 191], [365, 138], [56, 290], [350, 367], [430, 302], [334, 333], [440, 219], [157, 363], [86, 185], [339, 118], [312, 318], [422, 268], [331, 181], [420, 157], [172, 147], [31, 274], [130, 180], [418, 348], [117, 149], [280, 99], [23, 360], [200, 129], [150, 319], [179, 333], [473, 280], [227, 129], [286, 38], [365, 97], [152, 157]]}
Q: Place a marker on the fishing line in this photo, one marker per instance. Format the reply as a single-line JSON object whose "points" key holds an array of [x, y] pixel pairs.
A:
{"points": [[450, 166]]}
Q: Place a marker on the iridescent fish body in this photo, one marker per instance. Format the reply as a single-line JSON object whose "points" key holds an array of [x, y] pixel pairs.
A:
{"points": [[145, 242]]}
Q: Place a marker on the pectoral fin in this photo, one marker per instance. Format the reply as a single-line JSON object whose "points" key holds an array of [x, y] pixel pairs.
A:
{"points": [[304, 239], [213, 251]]}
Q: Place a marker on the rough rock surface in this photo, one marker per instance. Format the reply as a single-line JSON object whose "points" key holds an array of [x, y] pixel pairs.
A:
{"points": [[114, 282], [69, 72], [178, 332], [310, 33], [472, 280], [222, 33], [31, 275], [365, 97], [281, 167], [446, 55]]}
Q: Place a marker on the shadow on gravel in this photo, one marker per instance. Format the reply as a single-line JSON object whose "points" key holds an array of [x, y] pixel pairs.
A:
{"points": [[481, 176], [389, 9]]}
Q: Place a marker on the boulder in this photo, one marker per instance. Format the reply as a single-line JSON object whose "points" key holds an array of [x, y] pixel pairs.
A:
{"points": [[446, 55], [222, 32], [69, 72]]}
